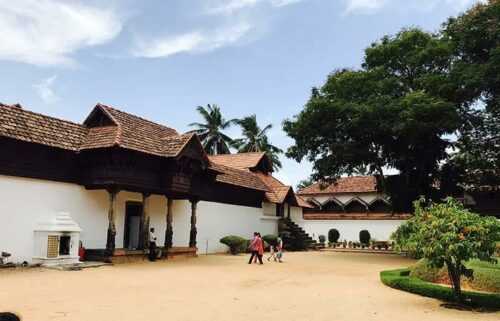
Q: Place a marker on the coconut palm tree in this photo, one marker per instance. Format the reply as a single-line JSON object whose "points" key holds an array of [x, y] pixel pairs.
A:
{"points": [[255, 140], [210, 132]]}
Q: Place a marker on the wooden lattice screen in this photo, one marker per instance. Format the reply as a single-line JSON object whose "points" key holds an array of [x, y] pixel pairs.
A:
{"points": [[53, 246]]}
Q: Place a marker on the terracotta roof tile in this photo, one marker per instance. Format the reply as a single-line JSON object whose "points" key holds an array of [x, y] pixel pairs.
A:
{"points": [[28, 126], [239, 161], [354, 184], [99, 137], [356, 216], [138, 134], [237, 177]]}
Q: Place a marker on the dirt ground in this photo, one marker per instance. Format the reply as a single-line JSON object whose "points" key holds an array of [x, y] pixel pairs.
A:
{"points": [[308, 286]]}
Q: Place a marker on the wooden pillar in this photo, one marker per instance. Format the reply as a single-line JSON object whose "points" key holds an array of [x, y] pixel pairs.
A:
{"points": [[110, 240], [144, 240], [289, 211], [169, 232], [193, 232]]}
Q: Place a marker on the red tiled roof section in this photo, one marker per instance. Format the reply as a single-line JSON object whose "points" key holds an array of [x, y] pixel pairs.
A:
{"points": [[173, 145], [99, 137], [354, 184], [277, 190], [301, 202], [356, 216], [28, 126], [143, 135], [239, 161], [237, 177]]}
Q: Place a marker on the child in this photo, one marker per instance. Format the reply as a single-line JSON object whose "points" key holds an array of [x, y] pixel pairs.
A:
{"points": [[272, 253], [279, 249]]}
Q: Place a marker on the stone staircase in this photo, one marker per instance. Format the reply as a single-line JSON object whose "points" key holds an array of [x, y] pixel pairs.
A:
{"points": [[294, 237]]}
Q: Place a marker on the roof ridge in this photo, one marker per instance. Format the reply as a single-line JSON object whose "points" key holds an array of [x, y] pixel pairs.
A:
{"points": [[238, 153], [138, 117], [42, 115]]}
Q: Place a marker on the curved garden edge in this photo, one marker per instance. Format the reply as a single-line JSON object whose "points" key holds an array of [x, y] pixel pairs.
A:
{"points": [[400, 279]]}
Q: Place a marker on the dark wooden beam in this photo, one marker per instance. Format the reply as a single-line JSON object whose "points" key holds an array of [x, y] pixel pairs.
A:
{"points": [[144, 239], [193, 232], [110, 240], [169, 232]]}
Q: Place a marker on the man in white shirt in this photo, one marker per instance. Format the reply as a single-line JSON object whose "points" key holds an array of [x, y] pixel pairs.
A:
{"points": [[152, 245]]}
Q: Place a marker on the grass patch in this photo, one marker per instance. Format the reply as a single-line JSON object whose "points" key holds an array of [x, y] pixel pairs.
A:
{"points": [[486, 275], [402, 280]]}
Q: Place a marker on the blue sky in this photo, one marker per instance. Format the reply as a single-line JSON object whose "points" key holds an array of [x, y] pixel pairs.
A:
{"points": [[161, 59]]}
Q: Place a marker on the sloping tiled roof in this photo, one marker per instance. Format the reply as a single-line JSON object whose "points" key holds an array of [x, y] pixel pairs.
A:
{"points": [[301, 202], [239, 161], [237, 177], [277, 190], [136, 133], [354, 184], [124, 130], [31, 127]]}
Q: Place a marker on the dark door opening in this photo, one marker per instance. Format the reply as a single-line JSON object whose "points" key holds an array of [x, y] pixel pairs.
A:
{"points": [[64, 244], [133, 213]]}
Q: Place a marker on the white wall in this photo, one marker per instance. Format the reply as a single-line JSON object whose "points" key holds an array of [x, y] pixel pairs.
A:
{"points": [[380, 230], [27, 201], [216, 220]]}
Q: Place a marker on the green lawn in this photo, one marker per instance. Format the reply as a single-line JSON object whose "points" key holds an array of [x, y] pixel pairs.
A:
{"points": [[402, 280], [486, 275]]}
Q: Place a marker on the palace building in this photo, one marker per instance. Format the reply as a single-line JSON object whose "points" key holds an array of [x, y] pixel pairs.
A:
{"points": [[350, 204], [105, 181]]}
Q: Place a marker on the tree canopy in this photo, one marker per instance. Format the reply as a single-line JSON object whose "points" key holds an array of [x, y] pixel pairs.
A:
{"points": [[416, 97], [475, 40], [393, 112]]}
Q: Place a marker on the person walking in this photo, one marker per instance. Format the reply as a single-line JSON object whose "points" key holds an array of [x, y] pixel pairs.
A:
{"points": [[253, 248], [152, 244], [260, 248], [279, 249]]}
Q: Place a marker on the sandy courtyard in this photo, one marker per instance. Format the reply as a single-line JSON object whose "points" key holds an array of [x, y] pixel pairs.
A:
{"points": [[309, 286]]}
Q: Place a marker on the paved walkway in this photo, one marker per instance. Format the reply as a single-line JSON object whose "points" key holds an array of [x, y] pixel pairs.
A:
{"points": [[307, 287]]}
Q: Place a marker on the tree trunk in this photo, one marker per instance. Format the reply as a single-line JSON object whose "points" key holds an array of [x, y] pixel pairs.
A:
{"points": [[454, 275]]}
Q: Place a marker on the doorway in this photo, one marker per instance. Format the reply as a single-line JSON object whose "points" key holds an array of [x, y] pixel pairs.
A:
{"points": [[133, 213]]}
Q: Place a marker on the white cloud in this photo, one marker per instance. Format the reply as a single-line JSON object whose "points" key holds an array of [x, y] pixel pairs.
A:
{"points": [[363, 6], [193, 42], [46, 32], [373, 6], [229, 7], [45, 90]]}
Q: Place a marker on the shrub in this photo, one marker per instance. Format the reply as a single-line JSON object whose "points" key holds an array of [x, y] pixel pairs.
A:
{"points": [[400, 279], [333, 236], [364, 237], [424, 271], [450, 236], [270, 239], [235, 243], [322, 239]]}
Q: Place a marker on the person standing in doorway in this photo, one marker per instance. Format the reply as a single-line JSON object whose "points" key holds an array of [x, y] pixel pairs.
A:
{"points": [[152, 244]]}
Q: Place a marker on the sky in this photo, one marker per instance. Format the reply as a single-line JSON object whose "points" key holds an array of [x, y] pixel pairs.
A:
{"points": [[160, 59]]}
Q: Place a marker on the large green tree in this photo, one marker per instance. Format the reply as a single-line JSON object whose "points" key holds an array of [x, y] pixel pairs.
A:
{"points": [[475, 40], [255, 139], [211, 130], [394, 112]]}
